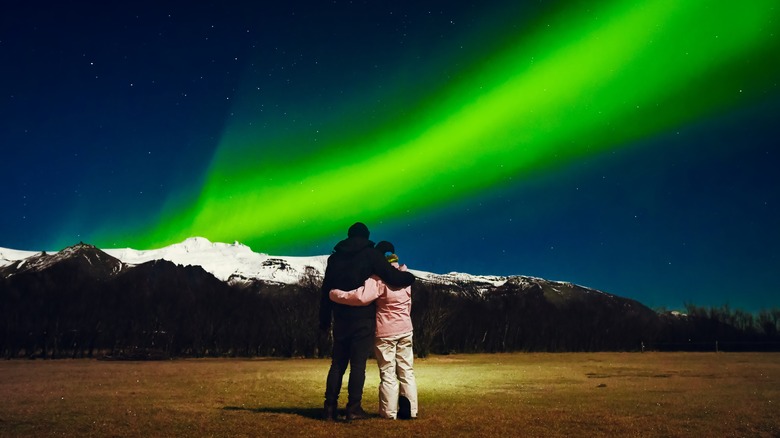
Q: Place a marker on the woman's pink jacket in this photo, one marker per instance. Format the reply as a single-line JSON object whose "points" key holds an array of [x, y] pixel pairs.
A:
{"points": [[393, 306]]}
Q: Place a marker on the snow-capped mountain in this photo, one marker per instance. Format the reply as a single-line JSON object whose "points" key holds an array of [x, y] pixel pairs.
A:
{"points": [[227, 261], [235, 262], [94, 260]]}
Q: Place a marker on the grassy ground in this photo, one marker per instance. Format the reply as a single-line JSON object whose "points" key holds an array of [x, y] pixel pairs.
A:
{"points": [[584, 394]]}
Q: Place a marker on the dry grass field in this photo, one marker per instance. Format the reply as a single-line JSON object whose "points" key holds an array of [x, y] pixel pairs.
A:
{"points": [[582, 394]]}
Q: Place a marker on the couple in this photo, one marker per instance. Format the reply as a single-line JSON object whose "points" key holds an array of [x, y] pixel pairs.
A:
{"points": [[359, 279]]}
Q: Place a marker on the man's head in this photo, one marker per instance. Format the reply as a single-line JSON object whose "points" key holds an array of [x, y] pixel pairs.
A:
{"points": [[358, 229]]}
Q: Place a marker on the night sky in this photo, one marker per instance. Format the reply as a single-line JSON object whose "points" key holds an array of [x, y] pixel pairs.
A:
{"points": [[625, 146]]}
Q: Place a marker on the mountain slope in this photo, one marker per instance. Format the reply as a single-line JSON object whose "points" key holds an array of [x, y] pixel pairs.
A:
{"points": [[80, 259]]}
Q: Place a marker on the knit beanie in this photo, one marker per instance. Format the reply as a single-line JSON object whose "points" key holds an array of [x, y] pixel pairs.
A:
{"points": [[358, 229], [384, 247]]}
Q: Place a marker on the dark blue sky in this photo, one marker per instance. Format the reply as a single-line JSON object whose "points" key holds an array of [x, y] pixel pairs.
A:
{"points": [[112, 113]]}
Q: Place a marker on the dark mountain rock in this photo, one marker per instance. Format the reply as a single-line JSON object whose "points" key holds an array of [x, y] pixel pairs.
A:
{"points": [[79, 260]]}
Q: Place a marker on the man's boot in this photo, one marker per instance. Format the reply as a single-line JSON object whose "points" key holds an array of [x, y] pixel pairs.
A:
{"points": [[330, 412], [356, 412]]}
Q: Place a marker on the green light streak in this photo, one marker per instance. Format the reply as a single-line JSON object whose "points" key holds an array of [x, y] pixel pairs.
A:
{"points": [[578, 84]]}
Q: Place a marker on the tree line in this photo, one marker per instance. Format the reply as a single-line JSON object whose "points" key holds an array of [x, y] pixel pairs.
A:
{"points": [[160, 310]]}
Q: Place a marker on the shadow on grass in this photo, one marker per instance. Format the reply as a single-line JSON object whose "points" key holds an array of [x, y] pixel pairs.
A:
{"points": [[313, 413]]}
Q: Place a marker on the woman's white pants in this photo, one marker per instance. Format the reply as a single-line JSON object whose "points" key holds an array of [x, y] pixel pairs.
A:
{"points": [[396, 371]]}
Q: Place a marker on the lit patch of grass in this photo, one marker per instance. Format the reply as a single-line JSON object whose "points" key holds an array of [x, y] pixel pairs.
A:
{"points": [[583, 394]]}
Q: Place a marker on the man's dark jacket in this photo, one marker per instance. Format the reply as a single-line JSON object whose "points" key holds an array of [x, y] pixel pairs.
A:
{"points": [[354, 260]]}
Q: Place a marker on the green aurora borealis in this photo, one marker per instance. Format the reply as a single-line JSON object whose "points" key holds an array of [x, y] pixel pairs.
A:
{"points": [[578, 83]]}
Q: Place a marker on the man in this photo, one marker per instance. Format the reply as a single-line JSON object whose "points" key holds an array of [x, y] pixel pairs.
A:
{"points": [[352, 262]]}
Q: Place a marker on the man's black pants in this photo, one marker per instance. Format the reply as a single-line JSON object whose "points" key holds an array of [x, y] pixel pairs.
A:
{"points": [[353, 343]]}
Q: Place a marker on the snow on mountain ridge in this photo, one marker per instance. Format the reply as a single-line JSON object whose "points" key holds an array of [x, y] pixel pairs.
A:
{"points": [[226, 260], [235, 262], [9, 256], [457, 277]]}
